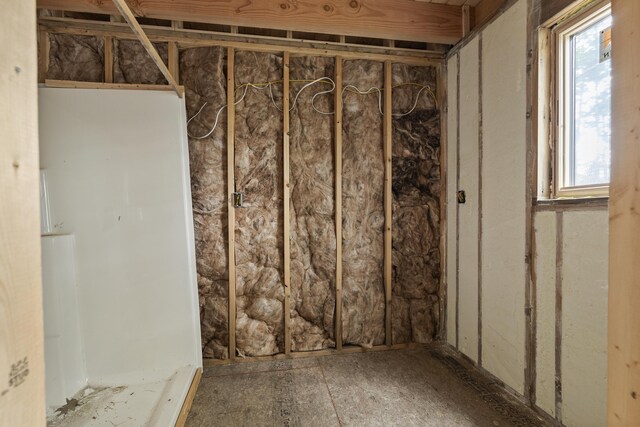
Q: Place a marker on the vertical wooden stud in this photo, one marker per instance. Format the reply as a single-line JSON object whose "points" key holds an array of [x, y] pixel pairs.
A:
{"points": [[108, 59], [441, 91], [388, 136], [624, 219], [43, 56], [338, 184], [285, 161], [231, 215], [174, 60]]}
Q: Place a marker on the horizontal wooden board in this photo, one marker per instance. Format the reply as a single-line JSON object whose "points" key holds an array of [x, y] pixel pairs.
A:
{"points": [[192, 38], [382, 19]]}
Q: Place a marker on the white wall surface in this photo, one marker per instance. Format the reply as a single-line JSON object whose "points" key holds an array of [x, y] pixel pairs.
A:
{"points": [[452, 168], [118, 175], [504, 49], [545, 261], [503, 235], [584, 318], [468, 211], [66, 371]]}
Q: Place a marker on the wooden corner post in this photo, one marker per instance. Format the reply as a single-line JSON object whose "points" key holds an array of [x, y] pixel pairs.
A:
{"points": [[624, 219]]}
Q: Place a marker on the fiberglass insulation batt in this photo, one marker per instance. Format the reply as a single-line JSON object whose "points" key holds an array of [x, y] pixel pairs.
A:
{"points": [[363, 207], [259, 224], [132, 63], [416, 207], [312, 206], [78, 58], [203, 74]]}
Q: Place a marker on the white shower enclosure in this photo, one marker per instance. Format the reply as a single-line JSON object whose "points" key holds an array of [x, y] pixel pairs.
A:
{"points": [[120, 295]]}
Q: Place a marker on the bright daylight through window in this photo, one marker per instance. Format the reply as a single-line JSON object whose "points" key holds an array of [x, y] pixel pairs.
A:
{"points": [[584, 147]]}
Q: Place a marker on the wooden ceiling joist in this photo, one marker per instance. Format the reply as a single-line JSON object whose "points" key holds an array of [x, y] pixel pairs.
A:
{"points": [[383, 19]]}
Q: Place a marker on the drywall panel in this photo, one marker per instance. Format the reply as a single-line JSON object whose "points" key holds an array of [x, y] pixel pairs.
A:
{"points": [[451, 171], [415, 282], [468, 211], [584, 318], [545, 262], [64, 353], [118, 175], [504, 61]]}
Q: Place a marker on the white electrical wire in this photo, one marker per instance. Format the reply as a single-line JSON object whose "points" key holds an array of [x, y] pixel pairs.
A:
{"points": [[263, 86], [313, 98]]}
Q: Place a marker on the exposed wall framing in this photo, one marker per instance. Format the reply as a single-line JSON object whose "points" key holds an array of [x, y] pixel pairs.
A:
{"points": [[228, 338]]}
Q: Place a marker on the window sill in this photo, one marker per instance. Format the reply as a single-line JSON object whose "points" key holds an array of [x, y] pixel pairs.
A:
{"points": [[571, 203]]}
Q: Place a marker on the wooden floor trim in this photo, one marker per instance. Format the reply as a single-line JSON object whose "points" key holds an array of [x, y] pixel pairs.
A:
{"points": [[188, 401], [316, 353]]}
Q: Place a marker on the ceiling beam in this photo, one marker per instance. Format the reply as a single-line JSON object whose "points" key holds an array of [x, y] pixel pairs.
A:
{"points": [[486, 9], [383, 19]]}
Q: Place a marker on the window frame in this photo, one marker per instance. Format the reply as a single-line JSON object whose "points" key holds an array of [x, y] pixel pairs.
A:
{"points": [[561, 90]]}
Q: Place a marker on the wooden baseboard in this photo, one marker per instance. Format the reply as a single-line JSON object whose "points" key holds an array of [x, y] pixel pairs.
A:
{"points": [[314, 353], [186, 405]]}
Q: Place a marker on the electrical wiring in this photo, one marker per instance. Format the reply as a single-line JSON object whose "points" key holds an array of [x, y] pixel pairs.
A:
{"points": [[308, 83]]}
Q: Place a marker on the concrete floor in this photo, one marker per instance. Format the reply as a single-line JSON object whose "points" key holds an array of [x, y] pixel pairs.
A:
{"points": [[414, 387]]}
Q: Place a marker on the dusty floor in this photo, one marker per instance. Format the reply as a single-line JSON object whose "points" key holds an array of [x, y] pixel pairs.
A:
{"points": [[414, 387]]}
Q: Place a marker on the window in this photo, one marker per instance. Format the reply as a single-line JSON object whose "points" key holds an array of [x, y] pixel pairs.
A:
{"points": [[582, 148]]}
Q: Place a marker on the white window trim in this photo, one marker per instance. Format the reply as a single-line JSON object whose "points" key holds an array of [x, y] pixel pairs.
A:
{"points": [[551, 155]]}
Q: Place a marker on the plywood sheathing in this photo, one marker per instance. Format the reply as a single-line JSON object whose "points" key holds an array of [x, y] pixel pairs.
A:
{"points": [[132, 63], [416, 207], [74, 57], [312, 208], [363, 209], [259, 225], [203, 75]]}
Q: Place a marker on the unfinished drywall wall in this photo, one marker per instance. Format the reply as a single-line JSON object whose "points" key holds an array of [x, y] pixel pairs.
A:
{"points": [[452, 210], [504, 147], [363, 207], [415, 205], [259, 224], [74, 57], [584, 318], [468, 234], [579, 394], [312, 206], [203, 74], [545, 276], [571, 288], [132, 63]]}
